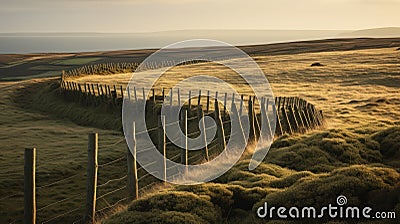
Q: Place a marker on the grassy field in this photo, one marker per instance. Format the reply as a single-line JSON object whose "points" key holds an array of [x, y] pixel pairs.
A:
{"points": [[356, 154]]}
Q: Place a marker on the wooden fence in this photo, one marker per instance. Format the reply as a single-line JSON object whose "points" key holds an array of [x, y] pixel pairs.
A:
{"points": [[293, 115]]}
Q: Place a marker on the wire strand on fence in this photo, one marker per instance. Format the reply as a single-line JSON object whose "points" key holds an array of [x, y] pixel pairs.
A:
{"points": [[113, 161], [59, 181], [147, 186], [110, 192], [174, 157], [59, 201], [147, 174], [59, 216], [192, 118], [146, 131], [115, 143], [110, 206], [10, 196], [227, 121], [111, 181], [169, 124], [145, 149]]}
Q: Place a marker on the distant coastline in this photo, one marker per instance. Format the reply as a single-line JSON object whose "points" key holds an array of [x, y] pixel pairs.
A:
{"points": [[47, 42]]}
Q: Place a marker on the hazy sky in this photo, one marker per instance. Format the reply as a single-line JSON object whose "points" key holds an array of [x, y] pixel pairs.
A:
{"points": [[160, 15]]}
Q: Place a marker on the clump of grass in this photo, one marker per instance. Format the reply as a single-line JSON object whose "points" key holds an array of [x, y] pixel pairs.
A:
{"points": [[170, 207], [326, 150], [358, 183]]}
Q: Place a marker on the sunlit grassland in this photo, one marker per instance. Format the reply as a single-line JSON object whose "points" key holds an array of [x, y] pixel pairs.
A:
{"points": [[353, 88], [358, 92]]}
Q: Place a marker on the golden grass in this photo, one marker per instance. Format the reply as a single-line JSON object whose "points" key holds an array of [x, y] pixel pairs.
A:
{"points": [[358, 91]]}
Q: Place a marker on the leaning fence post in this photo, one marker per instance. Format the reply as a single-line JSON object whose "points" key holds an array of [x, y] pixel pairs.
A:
{"points": [[30, 186], [184, 142], [220, 126], [208, 101], [161, 142], [164, 140], [134, 93], [199, 100], [252, 134], [203, 127], [91, 178], [129, 93], [224, 111], [133, 187], [190, 100]]}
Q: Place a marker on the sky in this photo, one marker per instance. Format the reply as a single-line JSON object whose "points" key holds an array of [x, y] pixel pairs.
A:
{"points": [[129, 16]]}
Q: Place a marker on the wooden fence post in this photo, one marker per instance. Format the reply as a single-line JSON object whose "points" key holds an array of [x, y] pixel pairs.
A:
{"points": [[257, 125], [154, 96], [252, 134], [287, 122], [179, 98], [30, 186], [292, 119], [91, 178], [133, 187], [199, 100], [235, 114], [265, 123], [170, 98], [190, 100], [184, 140], [279, 129], [164, 140], [129, 92], [241, 105], [224, 111], [220, 127], [203, 126], [134, 93], [208, 101]]}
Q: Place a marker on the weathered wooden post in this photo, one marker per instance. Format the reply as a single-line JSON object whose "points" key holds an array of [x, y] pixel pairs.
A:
{"points": [[252, 134], [235, 116], [199, 100], [208, 101], [134, 93], [292, 119], [287, 122], [184, 140], [129, 92], [220, 127], [266, 128], [224, 111], [133, 187], [203, 127], [241, 105], [170, 98], [190, 100], [279, 129], [122, 92], [164, 143], [179, 98], [154, 96], [30, 186], [91, 178], [257, 125]]}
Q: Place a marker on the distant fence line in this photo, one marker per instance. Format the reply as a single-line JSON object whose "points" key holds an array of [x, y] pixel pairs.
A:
{"points": [[126, 67]]}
